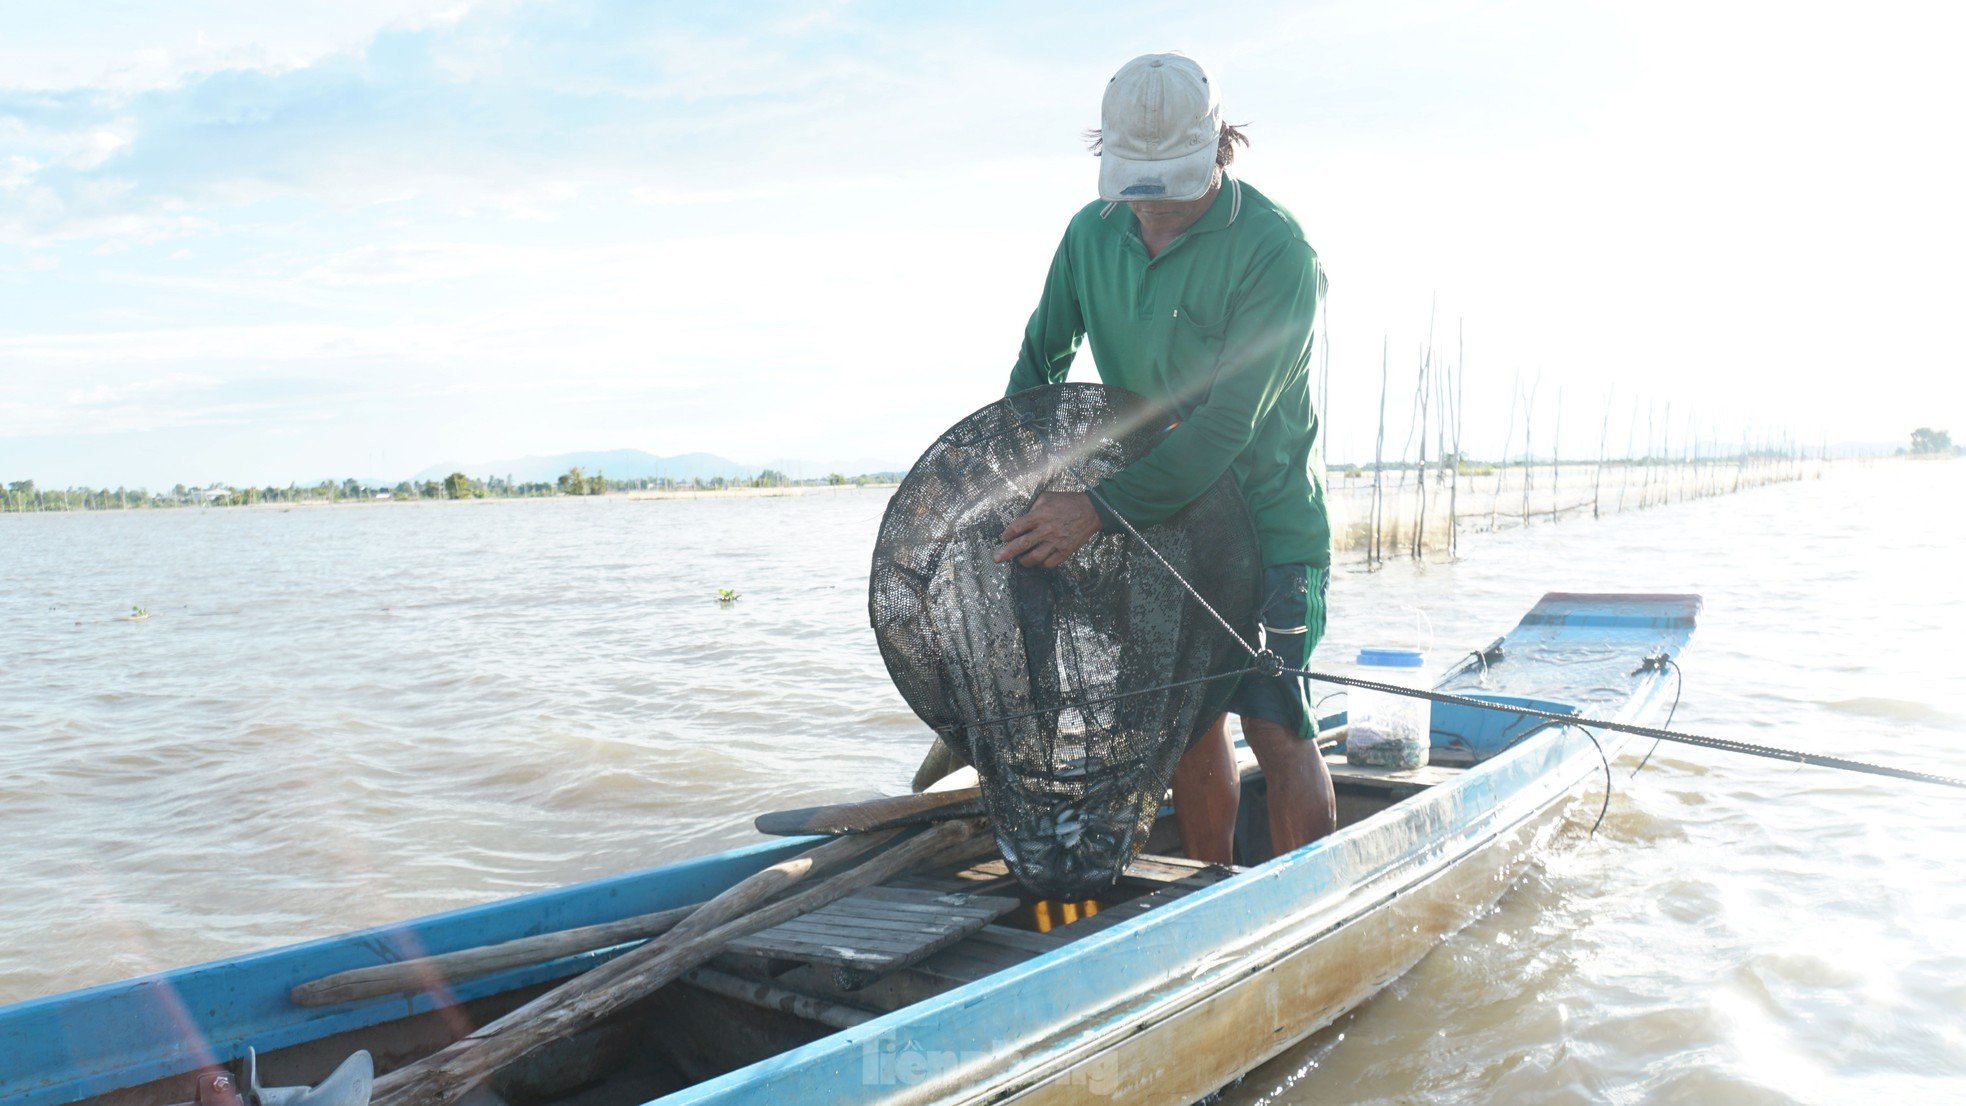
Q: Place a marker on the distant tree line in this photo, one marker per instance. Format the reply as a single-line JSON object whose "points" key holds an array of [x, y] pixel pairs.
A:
{"points": [[23, 495], [1927, 442], [576, 482]]}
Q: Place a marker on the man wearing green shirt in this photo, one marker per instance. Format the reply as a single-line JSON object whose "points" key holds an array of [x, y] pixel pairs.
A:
{"points": [[1199, 293]]}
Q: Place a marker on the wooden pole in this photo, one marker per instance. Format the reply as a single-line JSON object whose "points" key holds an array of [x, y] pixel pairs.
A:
{"points": [[1502, 465], [1372, 556], [1529, 443], [436, 973], [770, 996], [1631, 436], [1687, 452], [1556, 466], [1421, 396], [452, 1072], [1603, 443], [868, 815], [1460, 393], [1665, 455], [1651, 439]]}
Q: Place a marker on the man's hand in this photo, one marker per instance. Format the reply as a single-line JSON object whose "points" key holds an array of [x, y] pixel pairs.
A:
{"points": [[1051, 531]]}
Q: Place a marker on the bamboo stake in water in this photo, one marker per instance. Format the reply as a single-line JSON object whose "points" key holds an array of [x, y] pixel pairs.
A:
{"points": [[1603, 443], [1460, 391], [1644, 490], [1502, 467], [1373, 551], [1631, 436], [1665, 455], [1556, 466], [1528, 444], [1420, 398]]}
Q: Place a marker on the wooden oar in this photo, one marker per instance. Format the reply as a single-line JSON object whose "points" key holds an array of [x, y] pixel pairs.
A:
{"points": [[447, 1075], [430, 973], [874, 814]]}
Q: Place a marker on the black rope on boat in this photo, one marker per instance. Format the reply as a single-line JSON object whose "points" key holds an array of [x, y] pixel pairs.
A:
{"points": [[1725, 745], [1092, 493], [1678, 686], [1604, 807], [1267, 663]]}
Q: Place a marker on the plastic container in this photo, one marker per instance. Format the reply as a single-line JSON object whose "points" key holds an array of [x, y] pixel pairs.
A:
{"points": [[1389, 731]]}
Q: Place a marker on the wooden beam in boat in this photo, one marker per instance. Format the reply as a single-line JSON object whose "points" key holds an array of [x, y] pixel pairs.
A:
{"points": [[1157, 871], [448, 1075], [874, 814], [435, 973], [772, 996]]}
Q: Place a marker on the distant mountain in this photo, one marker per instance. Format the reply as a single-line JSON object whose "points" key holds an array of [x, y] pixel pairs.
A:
{"points": [[635, 464], [616, 464], [819, 470], [1846, 450]]}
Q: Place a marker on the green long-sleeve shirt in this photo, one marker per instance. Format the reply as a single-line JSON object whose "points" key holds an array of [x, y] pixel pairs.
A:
{"points": [[1217, 328]]}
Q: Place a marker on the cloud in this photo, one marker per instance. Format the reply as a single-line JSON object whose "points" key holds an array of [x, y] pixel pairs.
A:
{"points": [[523, 226], [142, 48]]}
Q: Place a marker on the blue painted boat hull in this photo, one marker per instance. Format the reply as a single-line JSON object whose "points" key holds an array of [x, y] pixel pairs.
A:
{"points": [[1165, 1007]]}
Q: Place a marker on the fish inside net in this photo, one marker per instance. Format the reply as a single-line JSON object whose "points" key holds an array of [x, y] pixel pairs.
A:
{"points": [[1072, 690]]}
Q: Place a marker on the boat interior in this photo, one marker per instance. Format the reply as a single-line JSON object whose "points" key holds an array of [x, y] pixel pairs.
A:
{"points": [[875, 951]]}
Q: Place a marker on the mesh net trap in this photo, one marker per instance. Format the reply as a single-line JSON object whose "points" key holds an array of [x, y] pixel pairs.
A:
{"points": [[1072, 690]]}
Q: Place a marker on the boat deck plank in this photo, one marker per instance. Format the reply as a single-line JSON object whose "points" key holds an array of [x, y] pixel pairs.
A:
{"points": [[877, 930], [1133, 908], [993, 948]]}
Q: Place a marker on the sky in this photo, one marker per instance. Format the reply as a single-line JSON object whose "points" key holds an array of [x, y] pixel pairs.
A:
{"points": [[260, 243]]}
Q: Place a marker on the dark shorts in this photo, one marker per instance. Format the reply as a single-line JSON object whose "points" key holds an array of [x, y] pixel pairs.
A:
{"points": [[1293, 621]]}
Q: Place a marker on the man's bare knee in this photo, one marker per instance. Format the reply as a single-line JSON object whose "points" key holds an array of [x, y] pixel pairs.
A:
{"points": [[1275, 744]]}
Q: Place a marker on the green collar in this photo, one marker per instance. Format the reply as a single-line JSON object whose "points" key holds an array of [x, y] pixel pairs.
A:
{"points": [[1225, 209]]}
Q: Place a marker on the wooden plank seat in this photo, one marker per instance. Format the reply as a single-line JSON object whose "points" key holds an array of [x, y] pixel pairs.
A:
{"points": [[983, 877], [876, 931], [992, 948]]}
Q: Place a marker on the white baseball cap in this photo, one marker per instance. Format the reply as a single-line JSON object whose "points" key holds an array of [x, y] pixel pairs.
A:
{"points": [[1158, 130]]}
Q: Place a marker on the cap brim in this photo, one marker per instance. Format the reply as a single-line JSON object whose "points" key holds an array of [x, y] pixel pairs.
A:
{"points": [[1174, 180]]}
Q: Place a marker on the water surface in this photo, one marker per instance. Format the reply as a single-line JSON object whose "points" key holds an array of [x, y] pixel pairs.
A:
{"points": [[342, 716]]}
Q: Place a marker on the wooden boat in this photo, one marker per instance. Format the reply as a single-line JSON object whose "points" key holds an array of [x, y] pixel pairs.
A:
{"points": [[1184, 978]]}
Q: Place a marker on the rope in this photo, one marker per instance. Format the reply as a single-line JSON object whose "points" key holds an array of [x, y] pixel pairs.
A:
{"points": [[1268, 664], [1723, 744], [1603, 808], [1678, 686], [1093, 493]]}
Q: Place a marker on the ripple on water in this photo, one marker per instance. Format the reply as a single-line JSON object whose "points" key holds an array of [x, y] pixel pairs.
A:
{"points": [[1895, 710], [342, 717]]}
